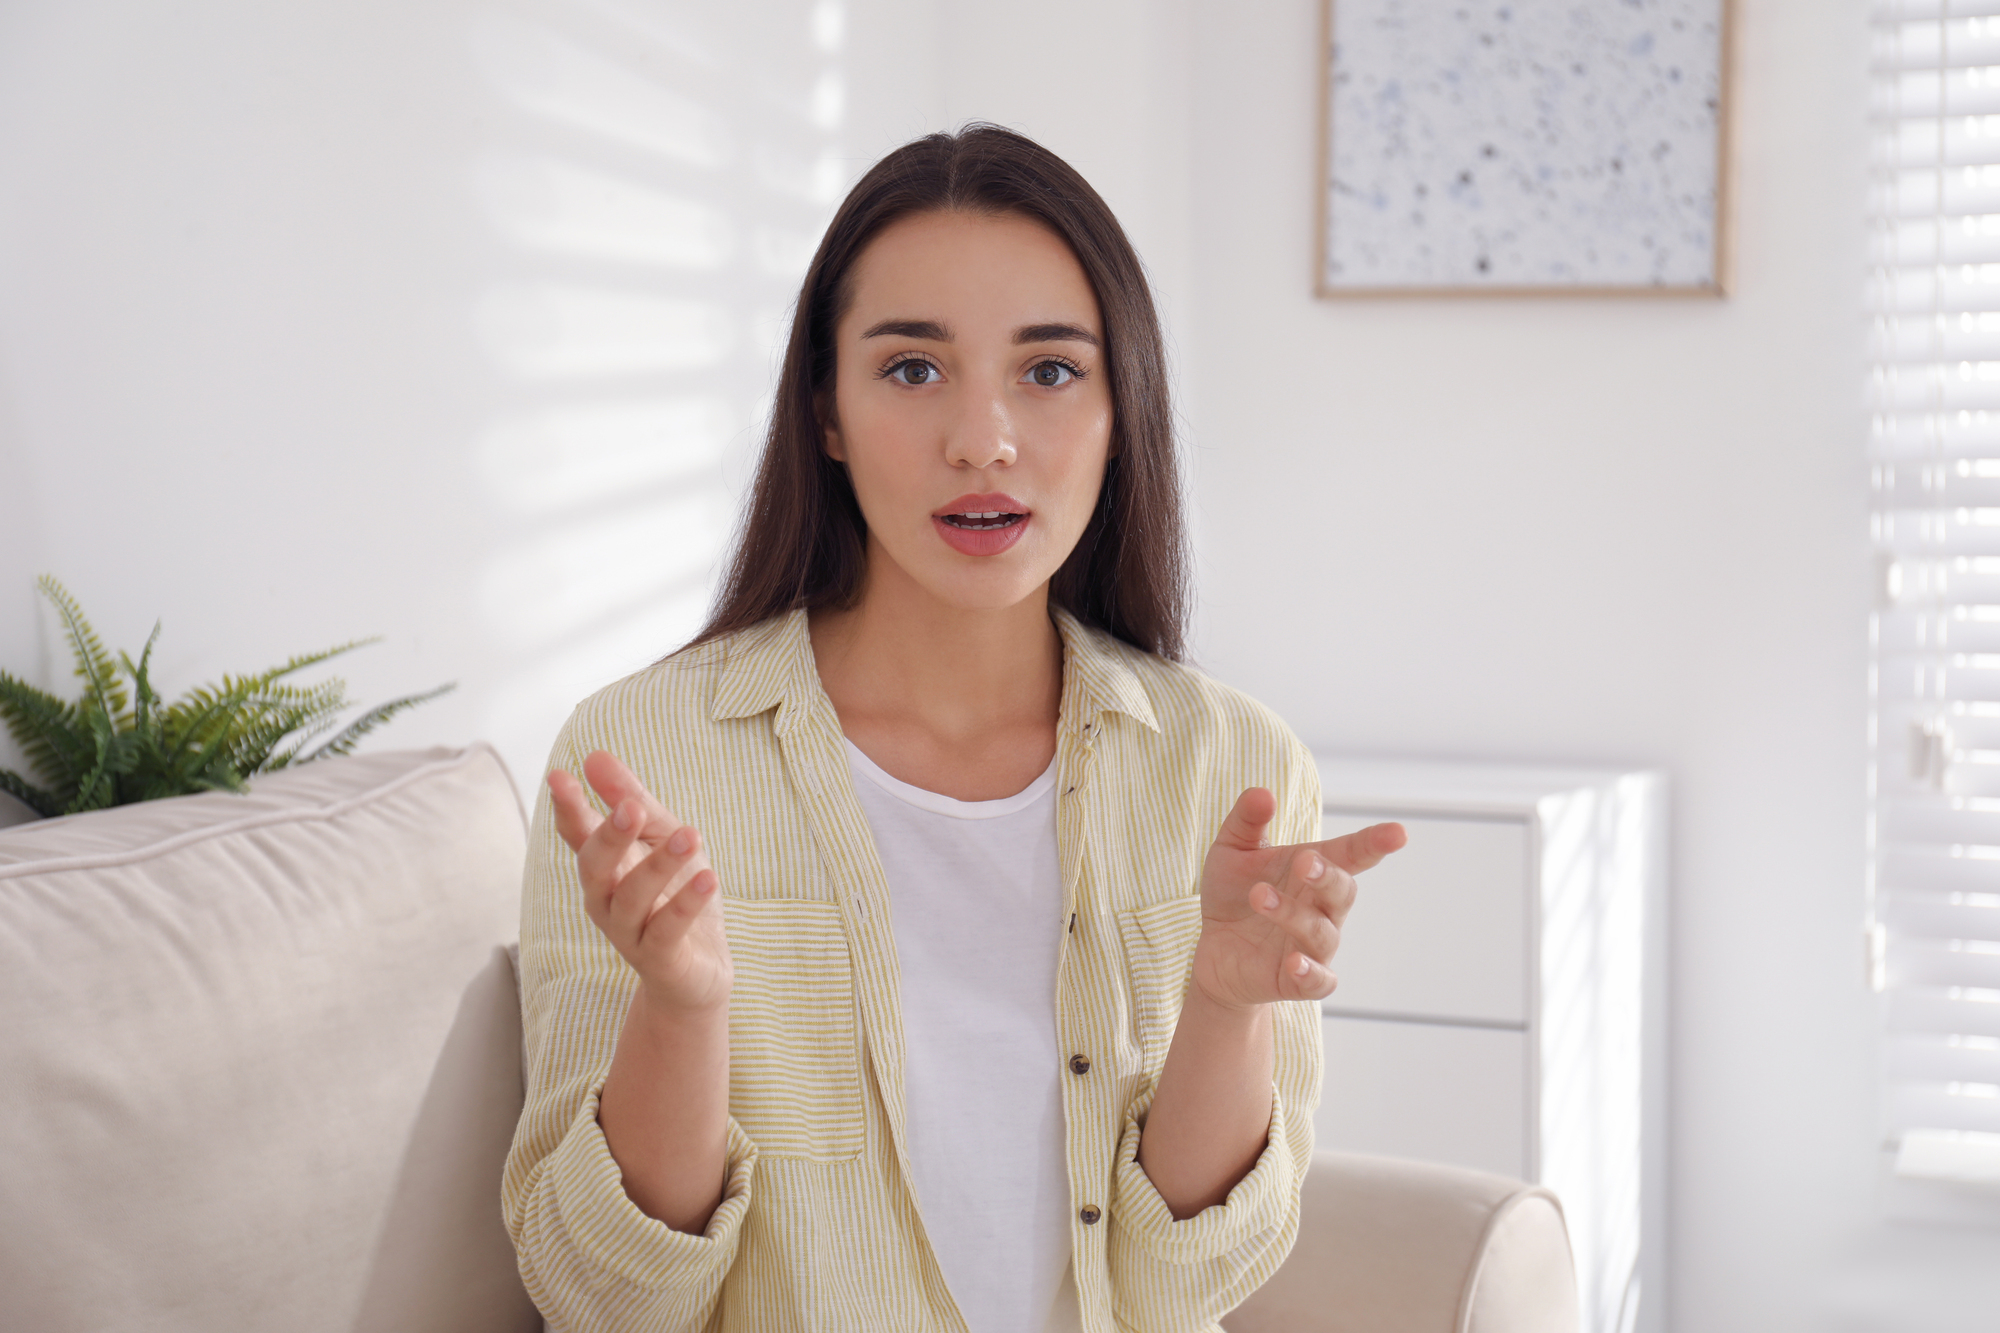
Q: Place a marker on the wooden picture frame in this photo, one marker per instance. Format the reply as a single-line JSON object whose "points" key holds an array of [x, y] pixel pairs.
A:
{"points": [[1687, 194]]}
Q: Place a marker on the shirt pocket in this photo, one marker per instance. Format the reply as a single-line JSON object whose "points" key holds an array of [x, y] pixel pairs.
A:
{"points": [[794, 1041], [1159, 954]]}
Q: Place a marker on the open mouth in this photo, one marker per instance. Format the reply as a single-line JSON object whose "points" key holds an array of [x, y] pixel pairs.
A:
{"points": [[982, 523], [990, 521]]}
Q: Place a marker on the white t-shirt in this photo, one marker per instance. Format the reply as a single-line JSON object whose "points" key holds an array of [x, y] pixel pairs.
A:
{"points": [[977, 896]]}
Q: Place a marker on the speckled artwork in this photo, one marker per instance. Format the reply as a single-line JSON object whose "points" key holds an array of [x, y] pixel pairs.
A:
{"points": [[1523, 144]]}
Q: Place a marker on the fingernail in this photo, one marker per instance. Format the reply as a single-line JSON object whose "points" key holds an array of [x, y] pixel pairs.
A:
{"points": [[681, 842], [1303, 966], [1267, 898], [622, 816], [1314, 867]]}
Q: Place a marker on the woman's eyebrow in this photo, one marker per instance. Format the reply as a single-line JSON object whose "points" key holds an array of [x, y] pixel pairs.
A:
{"points": [[1054, 333], [928, 329]]}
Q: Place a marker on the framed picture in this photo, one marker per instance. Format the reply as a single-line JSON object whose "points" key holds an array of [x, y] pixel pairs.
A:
{"points": [[1524, 147]]}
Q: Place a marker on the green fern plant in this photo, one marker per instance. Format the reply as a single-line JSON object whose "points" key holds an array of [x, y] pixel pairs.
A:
{"points": [[114, 745]]}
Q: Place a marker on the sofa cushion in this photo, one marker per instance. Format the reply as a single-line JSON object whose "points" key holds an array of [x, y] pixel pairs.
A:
{"points": [[260, 1055]]}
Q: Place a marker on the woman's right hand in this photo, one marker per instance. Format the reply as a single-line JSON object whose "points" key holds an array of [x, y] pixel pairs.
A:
{"points": [[647, 885]]}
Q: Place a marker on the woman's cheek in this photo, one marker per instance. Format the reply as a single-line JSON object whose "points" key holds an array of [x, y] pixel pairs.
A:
{"points": [[1083, 468]]}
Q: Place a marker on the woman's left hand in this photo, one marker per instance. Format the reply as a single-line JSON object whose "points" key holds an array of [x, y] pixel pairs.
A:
{"points": [[1271, 916]]}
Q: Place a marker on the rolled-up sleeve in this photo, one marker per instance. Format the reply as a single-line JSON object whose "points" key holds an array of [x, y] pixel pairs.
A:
{"points": [[589, 1257], [591, 1260], [1186, 1274]]}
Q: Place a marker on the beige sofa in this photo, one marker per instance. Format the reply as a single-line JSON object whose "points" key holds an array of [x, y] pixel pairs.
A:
{"points": [[260, 1062]]}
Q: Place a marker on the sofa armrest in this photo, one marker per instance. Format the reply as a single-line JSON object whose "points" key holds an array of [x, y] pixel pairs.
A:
{"points": [[1393, 1246]]}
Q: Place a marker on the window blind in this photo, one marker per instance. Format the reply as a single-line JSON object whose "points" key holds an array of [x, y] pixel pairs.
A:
{"points": [[1934, 725]]}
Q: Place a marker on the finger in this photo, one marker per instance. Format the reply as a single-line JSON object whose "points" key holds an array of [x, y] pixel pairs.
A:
{"points": [[1303, 978], [1365, 848], [601, 861], [1243, 827], [671, 918], [1327, 887], [1303, 910], [613, 782], [610, 778], [659, 876], [575, 820]]}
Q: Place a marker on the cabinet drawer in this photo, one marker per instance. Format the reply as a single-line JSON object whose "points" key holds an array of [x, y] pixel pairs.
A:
{"points": [[1440, 929], [1436, 1093]]}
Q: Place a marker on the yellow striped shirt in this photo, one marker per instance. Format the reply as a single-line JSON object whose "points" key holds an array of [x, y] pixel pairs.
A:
{"points": [[819, 1226]]}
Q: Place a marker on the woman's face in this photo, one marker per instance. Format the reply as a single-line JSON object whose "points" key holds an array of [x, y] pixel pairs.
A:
{"points": [[971, 405]]}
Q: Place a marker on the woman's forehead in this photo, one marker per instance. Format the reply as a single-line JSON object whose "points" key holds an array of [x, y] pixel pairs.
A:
{"points": [[970, 273]]}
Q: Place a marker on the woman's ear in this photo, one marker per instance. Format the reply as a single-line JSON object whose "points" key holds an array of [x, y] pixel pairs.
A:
{"points": [[829, 428]]}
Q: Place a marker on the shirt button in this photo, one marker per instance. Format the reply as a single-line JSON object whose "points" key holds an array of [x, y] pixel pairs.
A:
{"points": [[1089, 1214], [1079, 1064]]}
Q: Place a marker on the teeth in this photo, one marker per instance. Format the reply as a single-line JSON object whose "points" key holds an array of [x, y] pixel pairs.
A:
{"points": [[983, 522]]}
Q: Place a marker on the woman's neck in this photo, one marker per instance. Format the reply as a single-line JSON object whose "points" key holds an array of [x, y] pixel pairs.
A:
{"points": [[956, 701]]}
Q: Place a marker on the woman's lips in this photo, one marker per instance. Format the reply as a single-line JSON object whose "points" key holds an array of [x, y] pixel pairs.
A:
{"points": [[981, 524]]}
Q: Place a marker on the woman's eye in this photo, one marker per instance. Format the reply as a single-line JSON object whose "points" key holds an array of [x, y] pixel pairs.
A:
{"points": [[1051, 374], [915, 372]]}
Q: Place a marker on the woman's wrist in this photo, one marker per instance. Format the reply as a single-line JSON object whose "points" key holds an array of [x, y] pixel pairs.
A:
{"points": [[1218, 1014], [665, 1018], [1211, 972]]}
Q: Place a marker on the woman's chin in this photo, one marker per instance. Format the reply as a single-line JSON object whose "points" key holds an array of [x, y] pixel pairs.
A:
{"points": [[989, 586], [922, 564], [988, 593]]}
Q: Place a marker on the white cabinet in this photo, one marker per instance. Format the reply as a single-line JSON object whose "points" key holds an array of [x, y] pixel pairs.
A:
{"points": [[1443, 927], [1442, 1092], [1501, 999]]}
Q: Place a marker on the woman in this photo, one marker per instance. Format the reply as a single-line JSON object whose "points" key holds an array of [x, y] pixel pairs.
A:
{"points": [[931, 967]]}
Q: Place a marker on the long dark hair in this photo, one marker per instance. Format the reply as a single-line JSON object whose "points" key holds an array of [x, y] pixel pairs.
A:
{"points": [[801, 543]]}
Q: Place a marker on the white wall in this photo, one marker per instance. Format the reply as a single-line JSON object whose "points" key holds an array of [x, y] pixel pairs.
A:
{"points": [[448, 322], [276, 321]]}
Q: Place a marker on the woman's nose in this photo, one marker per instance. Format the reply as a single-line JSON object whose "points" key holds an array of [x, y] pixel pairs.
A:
{"points": [[983, 436]]}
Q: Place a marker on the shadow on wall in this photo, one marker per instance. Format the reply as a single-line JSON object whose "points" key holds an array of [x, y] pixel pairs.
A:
{"points": [[21, 549], [665, 173]]}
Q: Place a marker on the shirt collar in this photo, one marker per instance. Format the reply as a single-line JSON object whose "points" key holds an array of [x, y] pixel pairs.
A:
{"points": [[771, 666], [1094, 666], [768, 666]]}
